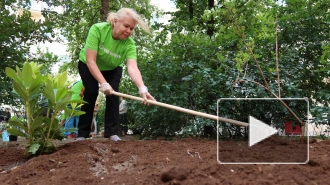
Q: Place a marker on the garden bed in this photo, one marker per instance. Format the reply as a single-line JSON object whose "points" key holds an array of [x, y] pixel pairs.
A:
{"points": [[184, 161]]}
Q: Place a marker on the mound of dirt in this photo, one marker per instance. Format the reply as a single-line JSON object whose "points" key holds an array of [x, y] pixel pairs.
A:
{"points": [[185, 161]]}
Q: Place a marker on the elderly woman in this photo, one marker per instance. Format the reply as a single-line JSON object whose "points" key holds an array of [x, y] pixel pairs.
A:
{"points": [[108, 47]]}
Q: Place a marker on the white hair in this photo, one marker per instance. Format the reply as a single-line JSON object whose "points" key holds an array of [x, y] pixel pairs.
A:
{"points": [[123, 12]]}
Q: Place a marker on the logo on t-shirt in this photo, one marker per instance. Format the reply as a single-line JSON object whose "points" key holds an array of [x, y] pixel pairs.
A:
{"points": [[108, 52]]}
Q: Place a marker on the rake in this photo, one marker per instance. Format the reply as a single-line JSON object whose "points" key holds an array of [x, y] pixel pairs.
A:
{"points": [[180, 109]]}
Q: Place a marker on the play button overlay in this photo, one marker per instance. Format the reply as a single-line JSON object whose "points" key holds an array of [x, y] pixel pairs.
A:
{"points": [[271, 135], [259, 131]]}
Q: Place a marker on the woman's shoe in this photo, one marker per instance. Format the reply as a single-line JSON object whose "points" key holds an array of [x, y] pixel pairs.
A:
{"points": [[114, 138]]}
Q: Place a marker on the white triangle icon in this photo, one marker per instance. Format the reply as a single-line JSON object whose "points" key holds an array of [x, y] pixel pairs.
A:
{"points": [[259, 131]]}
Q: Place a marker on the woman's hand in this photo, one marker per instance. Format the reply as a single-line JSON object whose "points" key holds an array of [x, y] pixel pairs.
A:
{"points": [[106, 89], [143, 91]]}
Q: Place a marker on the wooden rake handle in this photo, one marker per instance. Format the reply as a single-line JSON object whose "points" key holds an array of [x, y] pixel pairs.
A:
{"points": [[180, 109]]}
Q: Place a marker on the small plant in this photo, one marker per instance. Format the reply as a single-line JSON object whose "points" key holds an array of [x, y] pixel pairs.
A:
{"points": [[322, 136], [44, 97]]}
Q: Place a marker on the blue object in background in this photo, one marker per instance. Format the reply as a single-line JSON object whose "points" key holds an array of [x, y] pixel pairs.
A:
{"points": [[5, 135]]}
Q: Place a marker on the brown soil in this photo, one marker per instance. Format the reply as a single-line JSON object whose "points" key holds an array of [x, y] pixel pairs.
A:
{"points": [[185, 161]]}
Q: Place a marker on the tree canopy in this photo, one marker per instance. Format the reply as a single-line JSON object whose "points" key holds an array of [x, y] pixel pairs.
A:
{"points": [[18, 33], [209, 50], [239, 49]]}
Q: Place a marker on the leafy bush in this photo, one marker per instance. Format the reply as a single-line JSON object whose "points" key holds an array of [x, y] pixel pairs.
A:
{"points": [[45, 97]]}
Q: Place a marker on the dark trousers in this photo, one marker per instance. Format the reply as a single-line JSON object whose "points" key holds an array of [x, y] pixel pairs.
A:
{"points": [[91, 85], [12, 138]]}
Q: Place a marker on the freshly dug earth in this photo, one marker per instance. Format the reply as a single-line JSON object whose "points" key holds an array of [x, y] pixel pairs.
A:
{"points": [[184, 161]]}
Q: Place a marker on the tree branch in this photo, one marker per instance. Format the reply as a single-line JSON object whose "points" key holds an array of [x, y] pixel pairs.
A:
{"points": [[277, 68], [246, 45], [266, 86], [290, 110]]}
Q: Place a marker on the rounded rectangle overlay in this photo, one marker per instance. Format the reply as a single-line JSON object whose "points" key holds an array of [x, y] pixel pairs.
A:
{"points": [[277, 131]]}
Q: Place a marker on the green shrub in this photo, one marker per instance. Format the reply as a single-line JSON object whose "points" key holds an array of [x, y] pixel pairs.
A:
{"points": [[44, 97]]}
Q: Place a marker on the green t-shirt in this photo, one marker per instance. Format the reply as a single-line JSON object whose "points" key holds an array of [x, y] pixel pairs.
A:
{"points": [[110, 53], [76, 88]]}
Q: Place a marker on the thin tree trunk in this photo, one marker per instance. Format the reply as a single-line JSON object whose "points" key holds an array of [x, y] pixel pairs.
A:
{"points": [[191, 9], [208, 130], [210, 23], [277, 64], [104, 9]]}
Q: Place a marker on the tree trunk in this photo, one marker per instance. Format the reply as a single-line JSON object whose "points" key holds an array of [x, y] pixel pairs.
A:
{"points": [[209, 132], [104, 9], [191, 9], [210, 23]]}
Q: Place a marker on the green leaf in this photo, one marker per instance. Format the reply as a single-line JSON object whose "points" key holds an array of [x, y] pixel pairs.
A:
{"points": [[36, 122], [60, 106], [12, 74], [27, 74], [36, 85], [34, 148], [16, 123], [20, 90], [50, 149], [40, 111], [187, 78], [66, 100], [49, 92], [55, 124], [78, 113], [50, 97], [46, 121], [76, 102], [19, 72], [16, 132], [61, 80], [35, 91], [60, 93]]}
